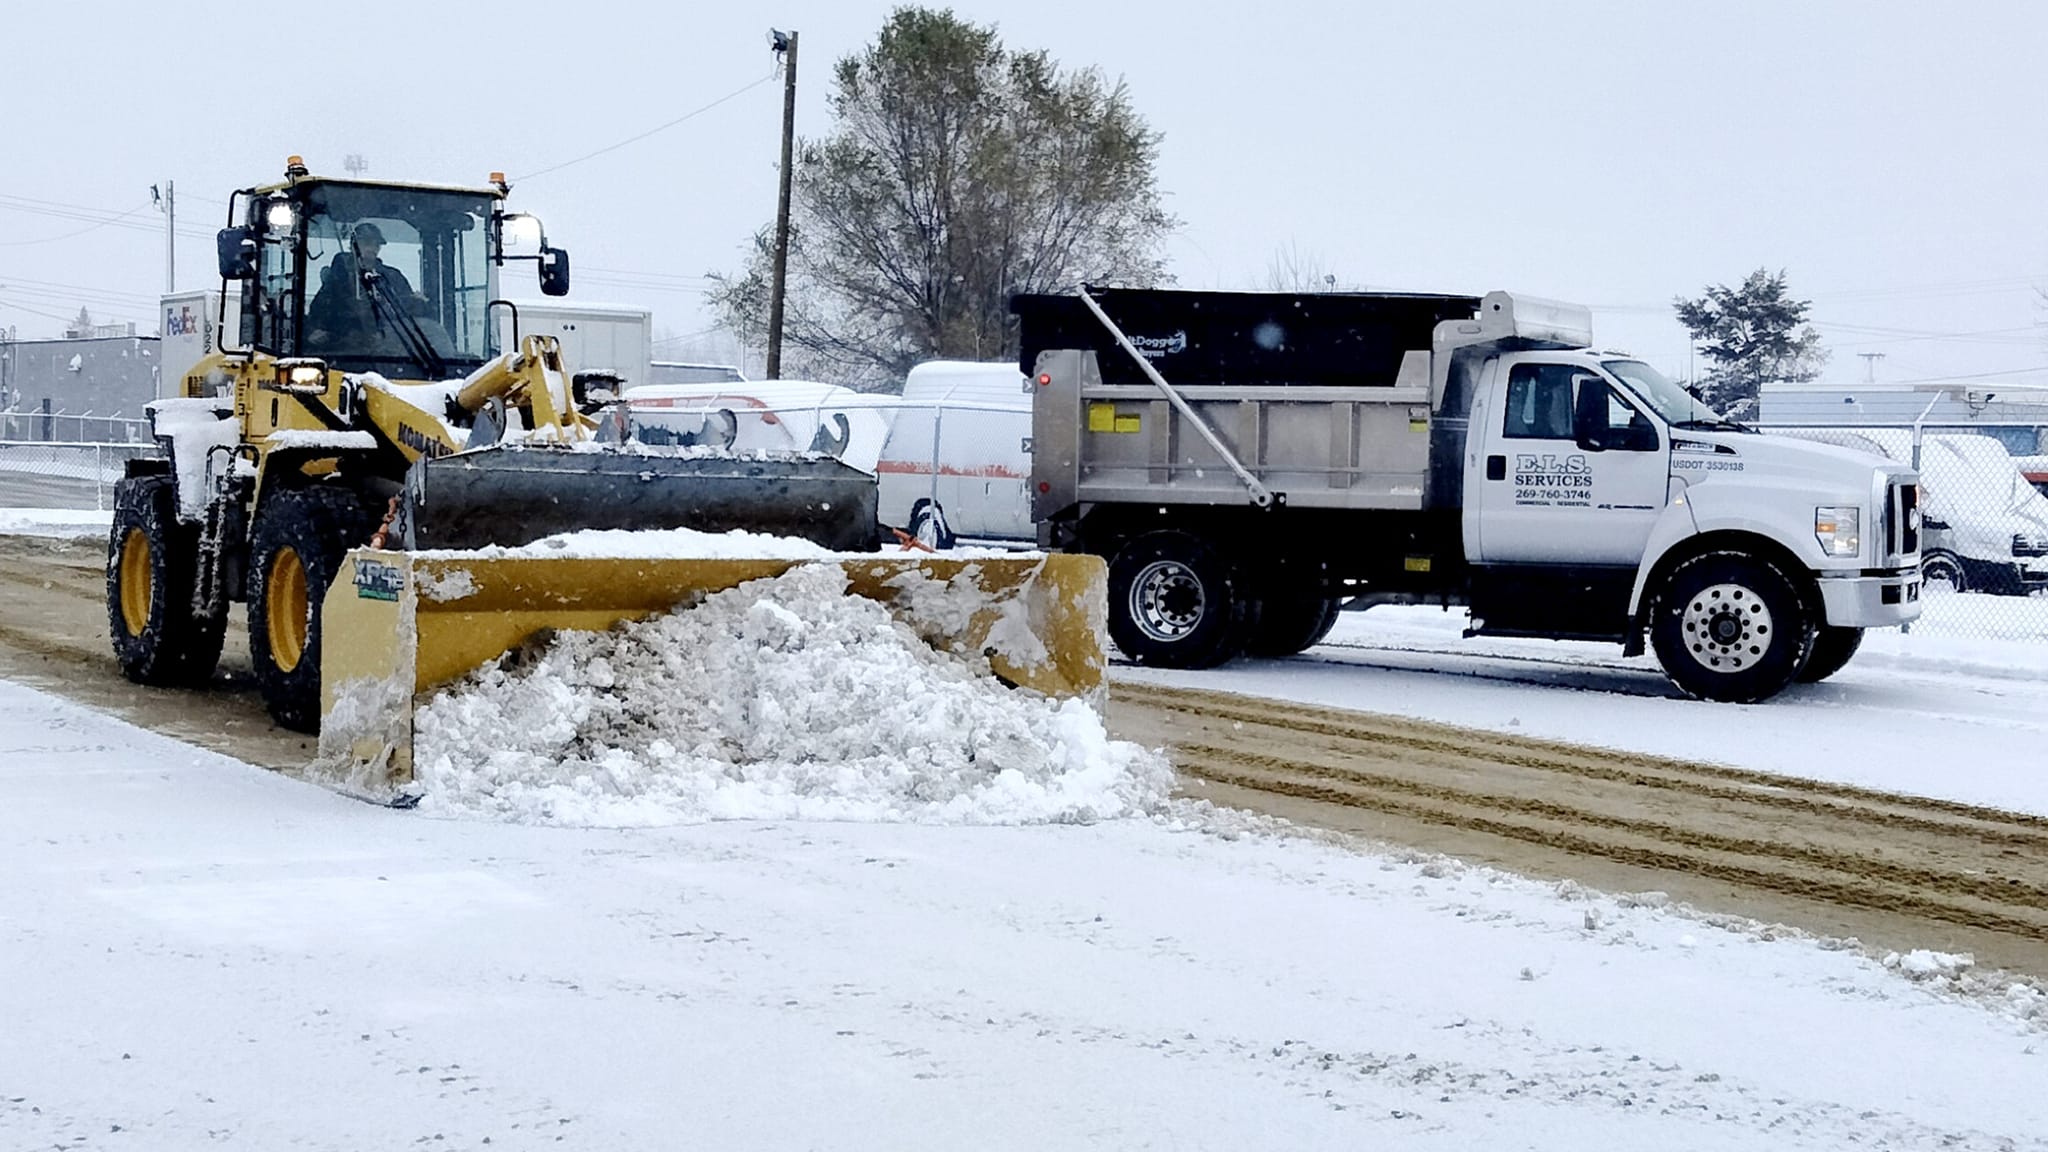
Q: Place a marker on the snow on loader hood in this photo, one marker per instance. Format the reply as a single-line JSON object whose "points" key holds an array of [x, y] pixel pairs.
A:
{"points": [[783, 698]]}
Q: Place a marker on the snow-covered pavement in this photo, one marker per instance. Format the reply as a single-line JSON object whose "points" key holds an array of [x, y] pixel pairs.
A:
{"points": [[1926, 714], [202, 954]]}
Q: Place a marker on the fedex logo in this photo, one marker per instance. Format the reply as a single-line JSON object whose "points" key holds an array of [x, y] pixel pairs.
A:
{"points": [[181, 322]]}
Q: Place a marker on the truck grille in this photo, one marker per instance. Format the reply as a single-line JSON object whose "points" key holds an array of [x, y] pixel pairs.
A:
{"points": [[2027, 544], [1902, 519]]}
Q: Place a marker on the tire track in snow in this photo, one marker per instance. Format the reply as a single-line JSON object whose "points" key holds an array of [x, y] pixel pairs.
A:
{"points": [[1917, 859]]}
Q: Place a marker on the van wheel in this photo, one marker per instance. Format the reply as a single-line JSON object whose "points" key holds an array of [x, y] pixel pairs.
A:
{"points": [[1173, 602], [295, 551], [928, 524], [1943, 568], [1284, 626], [1731, 627], [1832, 648], [152, 569]]}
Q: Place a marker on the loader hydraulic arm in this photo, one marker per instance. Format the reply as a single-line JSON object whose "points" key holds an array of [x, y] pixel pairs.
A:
{"points": [[531, 379]]}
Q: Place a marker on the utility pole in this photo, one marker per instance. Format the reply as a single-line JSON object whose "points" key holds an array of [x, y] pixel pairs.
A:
{"points": [[785, 47], [167, 203], [1870, 360]]}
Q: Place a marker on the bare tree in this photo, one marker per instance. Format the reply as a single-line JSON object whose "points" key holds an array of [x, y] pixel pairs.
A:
{"points": [[1297, 269], [956, 173]]}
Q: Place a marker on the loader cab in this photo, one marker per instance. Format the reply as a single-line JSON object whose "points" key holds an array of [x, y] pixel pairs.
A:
{"points": [[386, 278]]}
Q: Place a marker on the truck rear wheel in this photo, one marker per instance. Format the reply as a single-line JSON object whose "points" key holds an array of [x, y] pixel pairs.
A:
{"points": [[1285, 625], [152, 565], [295, 552], [1832, 648], [1173, 602], [1731, 627]]}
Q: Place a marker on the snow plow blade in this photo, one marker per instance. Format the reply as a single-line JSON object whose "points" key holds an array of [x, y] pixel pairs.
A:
{"points": [[514, 495], [399, 625]]}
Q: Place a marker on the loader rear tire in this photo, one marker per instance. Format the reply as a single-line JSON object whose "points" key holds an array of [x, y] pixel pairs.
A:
{"points": [[152, 565], [295, 552]]}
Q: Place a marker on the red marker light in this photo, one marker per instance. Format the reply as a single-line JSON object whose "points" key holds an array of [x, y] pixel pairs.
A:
{"points": [[1044, 486], [1044, 379]]}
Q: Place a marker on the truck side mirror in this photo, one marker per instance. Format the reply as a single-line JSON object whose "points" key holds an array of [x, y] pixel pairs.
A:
{"points": [[554, 271], [1589, 416], [237, 251]]}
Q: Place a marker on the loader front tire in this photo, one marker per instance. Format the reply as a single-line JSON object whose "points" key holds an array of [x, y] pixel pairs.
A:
{"points": [[152, 565], [295, 552]]}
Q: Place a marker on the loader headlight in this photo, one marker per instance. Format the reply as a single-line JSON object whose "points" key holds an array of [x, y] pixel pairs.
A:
{"points": [[301, 375], [1838, 530]]}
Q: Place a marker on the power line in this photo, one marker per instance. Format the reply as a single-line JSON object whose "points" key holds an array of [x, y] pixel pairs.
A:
{"points": [[691, 115], [79, 232]]}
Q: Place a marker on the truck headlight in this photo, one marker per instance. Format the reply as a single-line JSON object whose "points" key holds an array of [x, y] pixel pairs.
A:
{"points": [[1839, 530]]}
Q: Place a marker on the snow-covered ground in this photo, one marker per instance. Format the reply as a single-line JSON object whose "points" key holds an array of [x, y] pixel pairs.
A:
{"points": [[61, 522], [200, 954], [1929, 713]]}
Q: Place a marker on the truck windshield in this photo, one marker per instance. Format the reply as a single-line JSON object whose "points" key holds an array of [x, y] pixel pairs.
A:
{"points": [[397, 280], [1679, 408]]}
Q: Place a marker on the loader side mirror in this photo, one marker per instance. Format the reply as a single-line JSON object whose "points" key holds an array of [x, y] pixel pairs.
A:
{"points": [[237, 250], [554, 271]]}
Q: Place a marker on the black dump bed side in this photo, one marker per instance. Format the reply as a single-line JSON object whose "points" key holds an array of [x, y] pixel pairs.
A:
{"points": [[1246, 339]]}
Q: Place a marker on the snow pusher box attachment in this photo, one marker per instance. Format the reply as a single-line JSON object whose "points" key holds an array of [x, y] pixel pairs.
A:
{"points": [[401, 624]]}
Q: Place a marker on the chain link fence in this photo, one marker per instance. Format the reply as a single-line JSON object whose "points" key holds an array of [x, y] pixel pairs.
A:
{"points": [[1984, 543], [73, 428], [960, 470], [46, 474]]}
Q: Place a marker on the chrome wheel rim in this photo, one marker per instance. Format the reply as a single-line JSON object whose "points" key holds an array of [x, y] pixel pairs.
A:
{"points": [[1167, 601], [1727, 628]]}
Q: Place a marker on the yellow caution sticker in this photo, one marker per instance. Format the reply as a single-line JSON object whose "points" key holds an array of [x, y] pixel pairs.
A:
{"points": [[1416, 564], [1103, 417], [1418, 425]]}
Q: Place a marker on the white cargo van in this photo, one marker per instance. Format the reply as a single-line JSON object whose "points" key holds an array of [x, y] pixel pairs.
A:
{"points": [[960, 442]]}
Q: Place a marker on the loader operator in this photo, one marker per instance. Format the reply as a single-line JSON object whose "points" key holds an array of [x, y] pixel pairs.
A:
{"points": [[344, 313]]}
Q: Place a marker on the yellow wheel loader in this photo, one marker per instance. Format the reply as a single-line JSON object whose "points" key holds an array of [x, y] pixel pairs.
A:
{"points": [[357, 435]]}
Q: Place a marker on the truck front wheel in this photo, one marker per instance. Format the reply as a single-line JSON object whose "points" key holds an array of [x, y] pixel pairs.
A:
{"points": [[1731, 627], [1173, 602]]}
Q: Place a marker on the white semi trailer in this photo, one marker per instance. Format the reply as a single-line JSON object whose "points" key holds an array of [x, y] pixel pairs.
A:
{"points": [[1250, 463]]}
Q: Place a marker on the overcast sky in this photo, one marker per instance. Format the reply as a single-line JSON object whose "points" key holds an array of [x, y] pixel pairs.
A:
{"points": [[1889, 156]]}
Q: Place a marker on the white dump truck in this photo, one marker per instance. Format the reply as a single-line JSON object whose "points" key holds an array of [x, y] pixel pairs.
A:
{"points": [[1251, 463]]}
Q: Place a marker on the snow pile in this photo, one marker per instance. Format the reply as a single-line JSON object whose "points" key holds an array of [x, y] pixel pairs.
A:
{"points": [[1923, 965], [60, 522], [784, 698], [685, 543], [646, 544]]}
